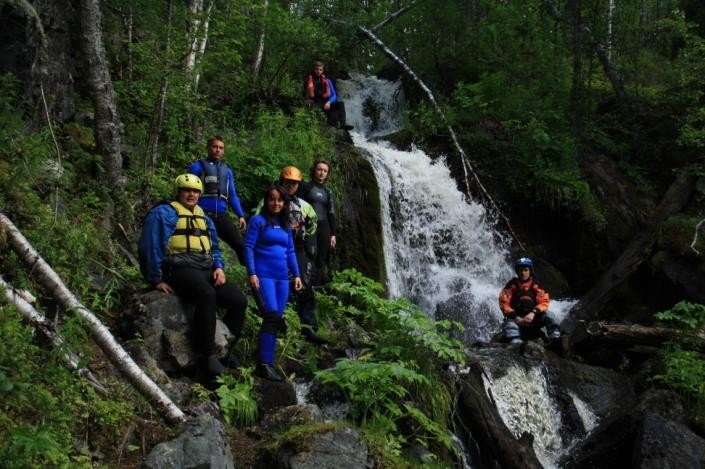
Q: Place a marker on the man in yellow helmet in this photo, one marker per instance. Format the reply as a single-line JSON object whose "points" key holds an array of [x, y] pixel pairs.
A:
{"points": [[179, 252]]}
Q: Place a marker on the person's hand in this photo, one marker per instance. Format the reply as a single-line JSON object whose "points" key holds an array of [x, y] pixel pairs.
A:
{"points": [[218, 277], [254, 282], [520, 321], [243, 223], [298, 285], [164, 287], [332, 242], [529, 318], [326, 106]]}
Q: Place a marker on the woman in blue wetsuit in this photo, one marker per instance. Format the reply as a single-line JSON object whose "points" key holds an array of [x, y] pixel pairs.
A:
{"points": [[269, 257]]}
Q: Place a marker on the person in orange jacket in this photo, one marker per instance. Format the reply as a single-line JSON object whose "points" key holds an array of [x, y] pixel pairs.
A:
{"points": [[525, 305]]}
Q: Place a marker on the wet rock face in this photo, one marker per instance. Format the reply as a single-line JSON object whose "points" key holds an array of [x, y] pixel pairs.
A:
{"points": [[649, 434]]}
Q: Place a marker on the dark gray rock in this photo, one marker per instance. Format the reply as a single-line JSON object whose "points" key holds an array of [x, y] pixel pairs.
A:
{"points": [[665, 444], [202, 444], [164, 324], [338, 449], [272, 395], [292, 415]]}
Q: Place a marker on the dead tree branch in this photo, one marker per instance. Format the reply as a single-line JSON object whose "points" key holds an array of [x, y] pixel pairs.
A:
{"points": [[695, 235], [101, 334]]}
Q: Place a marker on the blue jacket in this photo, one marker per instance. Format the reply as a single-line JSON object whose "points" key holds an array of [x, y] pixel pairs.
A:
{"points": [[333, 94], [269, 250], [159, 225], [216, 204]]}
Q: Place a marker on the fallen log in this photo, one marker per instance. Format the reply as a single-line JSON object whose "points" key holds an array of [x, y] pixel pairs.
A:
{"points": [[632, 335], [41, 325], [101, 334]]}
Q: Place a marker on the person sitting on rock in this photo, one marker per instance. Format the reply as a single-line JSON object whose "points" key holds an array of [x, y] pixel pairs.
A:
{"points": [[269, 257], [320, 91], [179, 252], [525, 306]]}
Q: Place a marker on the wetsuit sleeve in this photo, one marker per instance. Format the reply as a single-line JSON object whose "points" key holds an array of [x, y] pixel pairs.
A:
{"points": [[216, 253], [291, 255], [333, 95], [254, 228], [505, 300], [156, 231], [331, 212], [234, 199], [542, 299], [195, 168]]}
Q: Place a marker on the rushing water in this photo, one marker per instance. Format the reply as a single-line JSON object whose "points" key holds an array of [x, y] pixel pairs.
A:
{"points": [[444, 253]]}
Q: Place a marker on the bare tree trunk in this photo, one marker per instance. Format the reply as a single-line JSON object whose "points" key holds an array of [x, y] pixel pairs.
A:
{"points": [[202, 44], [40, 324], [107, 121], [195, 9], [101, 334], [634, 254], [607, 66], [393, 16], [257, 64], [158, 123], [629, 335], [610, 20], [465, 161]]}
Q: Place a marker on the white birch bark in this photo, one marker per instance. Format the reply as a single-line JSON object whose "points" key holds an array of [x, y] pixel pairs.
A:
{"points": [[41, 324], [610, 20], [257, 64], [195, 9], [101, 334], [203, 41]]}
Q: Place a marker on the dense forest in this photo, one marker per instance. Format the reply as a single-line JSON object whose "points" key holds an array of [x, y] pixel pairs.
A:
{"points": [[579, 124]]}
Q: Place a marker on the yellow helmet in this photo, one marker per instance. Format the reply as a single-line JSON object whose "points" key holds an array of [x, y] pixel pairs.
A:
{"points": [[291, 172], [188, 181]]}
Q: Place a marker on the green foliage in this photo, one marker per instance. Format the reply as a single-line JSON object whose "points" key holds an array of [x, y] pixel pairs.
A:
{"points": [[46, 408], [237, 398], [684, 314]]}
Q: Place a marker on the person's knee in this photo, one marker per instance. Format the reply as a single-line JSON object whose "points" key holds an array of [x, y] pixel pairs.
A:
{"points": [[510, 329], [270, 323]]}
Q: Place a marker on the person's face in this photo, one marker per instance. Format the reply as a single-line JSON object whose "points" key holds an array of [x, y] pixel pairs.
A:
{"points": [[216, 149], [275, 202], [320, 173], [318, 70], [188, 197], [290, 186], [524, 273]]}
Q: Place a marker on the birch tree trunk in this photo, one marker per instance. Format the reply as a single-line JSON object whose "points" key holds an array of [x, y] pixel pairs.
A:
{"points": [[158, 122], [610, 20], [108, 127], [195, 9], [203, 41], [44, 327], [257, 64], [101, 334]]}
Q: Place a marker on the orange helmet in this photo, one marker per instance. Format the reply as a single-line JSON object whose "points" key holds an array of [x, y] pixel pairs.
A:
{"points": [[291, 172]]}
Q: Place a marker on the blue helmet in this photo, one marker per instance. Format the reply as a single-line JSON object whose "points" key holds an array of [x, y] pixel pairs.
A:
{"points": [[524, 262]]}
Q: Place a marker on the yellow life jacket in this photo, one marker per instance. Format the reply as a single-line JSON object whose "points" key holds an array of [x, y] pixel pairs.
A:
{"points": [[191, 233]]}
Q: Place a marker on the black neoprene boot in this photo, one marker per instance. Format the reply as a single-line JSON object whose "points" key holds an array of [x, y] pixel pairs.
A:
{"points": [[267, 371], [213, 365]]}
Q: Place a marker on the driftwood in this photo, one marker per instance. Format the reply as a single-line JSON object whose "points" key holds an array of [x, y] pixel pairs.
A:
{"points": [[634, 254], [101, 334], [480, 415], [630, 335]]}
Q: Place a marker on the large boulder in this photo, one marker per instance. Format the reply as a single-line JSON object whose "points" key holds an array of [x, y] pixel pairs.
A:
{"points": [[164, 324], [342, 448], [202, 444]]}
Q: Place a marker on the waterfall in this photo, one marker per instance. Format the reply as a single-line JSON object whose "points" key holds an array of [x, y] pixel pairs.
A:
{"points": [[441, 251]]}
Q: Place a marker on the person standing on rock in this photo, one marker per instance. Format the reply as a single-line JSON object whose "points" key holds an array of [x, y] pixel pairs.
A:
{"points": [[179, 252], [269, 258], [525, 306], [321, 199], [219, 194]]}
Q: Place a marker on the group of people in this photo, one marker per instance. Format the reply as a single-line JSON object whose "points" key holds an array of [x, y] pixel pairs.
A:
{"points": [[288, 237]]}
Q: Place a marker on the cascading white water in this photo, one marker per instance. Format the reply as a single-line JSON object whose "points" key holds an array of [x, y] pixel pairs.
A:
{"points": [[438, 247]]}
